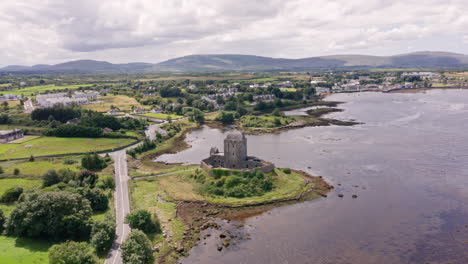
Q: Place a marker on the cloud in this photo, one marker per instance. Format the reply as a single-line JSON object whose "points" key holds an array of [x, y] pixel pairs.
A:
{"points": [[153, 30]]}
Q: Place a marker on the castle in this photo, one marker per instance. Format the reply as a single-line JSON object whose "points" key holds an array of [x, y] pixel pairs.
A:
{"points": [[235, 156]]}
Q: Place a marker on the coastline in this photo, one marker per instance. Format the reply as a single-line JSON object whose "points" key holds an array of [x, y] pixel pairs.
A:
{"points": [[419, 90], [200, 215]]}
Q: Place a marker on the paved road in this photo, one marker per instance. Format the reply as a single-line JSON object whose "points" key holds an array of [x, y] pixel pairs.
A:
{"points": [[121, 195], [122, 205], [151, 130]]}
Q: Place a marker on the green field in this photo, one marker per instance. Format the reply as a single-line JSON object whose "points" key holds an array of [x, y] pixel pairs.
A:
{"points": [[441, 85], [123, 102], [162, 116], [43, 88], [55, 145], [181, 187], [40, 166], [23, 251], [265, 121], [288, 89], [16, 182]]}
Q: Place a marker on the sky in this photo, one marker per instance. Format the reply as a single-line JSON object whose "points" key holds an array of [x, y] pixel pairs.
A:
{"points": [[120, 31]]}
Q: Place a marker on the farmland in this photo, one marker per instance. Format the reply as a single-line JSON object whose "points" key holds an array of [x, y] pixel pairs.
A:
{"points": [[124, 103], [43, 88], [55, 145]]}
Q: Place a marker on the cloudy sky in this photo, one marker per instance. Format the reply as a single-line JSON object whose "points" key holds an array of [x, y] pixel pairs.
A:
{"points": [[54, 31]]}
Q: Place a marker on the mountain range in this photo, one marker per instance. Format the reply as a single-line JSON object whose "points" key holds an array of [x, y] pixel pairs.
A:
{"points": [[234, 62]]}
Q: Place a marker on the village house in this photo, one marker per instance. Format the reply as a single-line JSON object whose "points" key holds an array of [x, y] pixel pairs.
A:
{"points": [[10, 135], [286, 84], [139, 110], [114, 111], [264, 97], [157, 110]]}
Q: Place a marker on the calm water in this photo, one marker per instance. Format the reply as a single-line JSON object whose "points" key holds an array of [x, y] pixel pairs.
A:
{"points": [[409, 162]]}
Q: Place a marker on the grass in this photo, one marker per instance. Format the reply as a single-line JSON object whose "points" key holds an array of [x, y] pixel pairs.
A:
{"points": [[40, 166], [441, 85], [123, 102], [288, 89], [144, 195], [162, 115], [55, 145], [43, 88], [265, 121], [23, 251], [181, 187], [15, 182], [9, 127], [12, 103]]}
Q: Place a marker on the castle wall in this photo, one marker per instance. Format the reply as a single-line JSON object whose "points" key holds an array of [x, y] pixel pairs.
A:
{"points": [[235, 153]]}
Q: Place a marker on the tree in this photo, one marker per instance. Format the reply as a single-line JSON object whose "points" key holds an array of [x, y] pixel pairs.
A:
{"points": [[50, 215], [2, 221], [50, 178], [137, 249], [226, 117], [277, 112], [93, 162], [87, 178], [97, 198], [72, 252], [277, 122], [143, 220], [11, 195], [1, 170], [197, 116], [16, 171], [102, 235]]}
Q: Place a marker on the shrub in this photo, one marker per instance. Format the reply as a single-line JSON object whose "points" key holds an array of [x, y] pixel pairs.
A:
{"points": [[107, 183], [137, 249], [1, 170], [50, 178], [87, 178], [72, 252], [69, 162], [31, 158], [102, 235], [16, 171], [287, 170], [143, 220], [11, 195]]}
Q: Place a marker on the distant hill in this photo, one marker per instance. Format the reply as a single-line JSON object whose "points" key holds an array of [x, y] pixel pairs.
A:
{"points": [[233, 62]]}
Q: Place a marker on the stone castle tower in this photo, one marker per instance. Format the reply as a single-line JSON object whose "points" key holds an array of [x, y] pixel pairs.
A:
{"points": [[235, 151]]}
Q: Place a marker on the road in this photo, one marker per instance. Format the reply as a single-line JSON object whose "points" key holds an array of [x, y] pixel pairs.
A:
{"points": [[122, 205], [121, 195]]}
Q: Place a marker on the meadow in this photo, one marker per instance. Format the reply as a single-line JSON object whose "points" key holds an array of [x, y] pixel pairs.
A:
{"points": [[182, 187], [55, 145], [124, 103], [15, 182], [43, 88], [23, 251], [40, 166], [162, 116]]}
